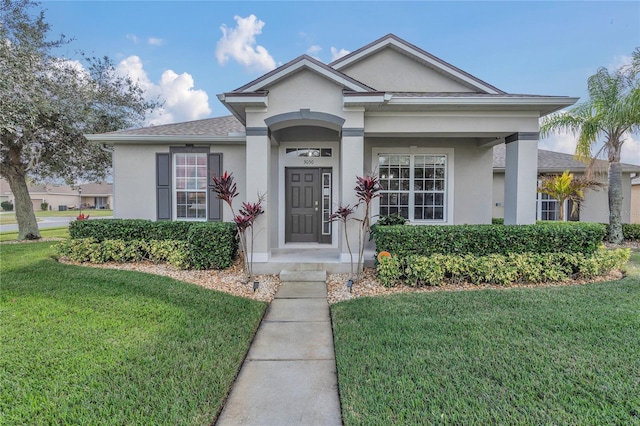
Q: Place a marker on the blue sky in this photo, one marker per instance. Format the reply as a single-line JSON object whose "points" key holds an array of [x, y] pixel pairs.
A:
{"points": [[188, 52]]}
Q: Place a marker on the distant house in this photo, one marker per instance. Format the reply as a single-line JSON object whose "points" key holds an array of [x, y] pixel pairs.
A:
{"points": [[302, 133], [595, 207], [635, 200], [61, 197]]}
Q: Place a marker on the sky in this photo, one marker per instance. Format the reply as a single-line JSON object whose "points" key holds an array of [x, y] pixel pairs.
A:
{"points": [[188, 52]]}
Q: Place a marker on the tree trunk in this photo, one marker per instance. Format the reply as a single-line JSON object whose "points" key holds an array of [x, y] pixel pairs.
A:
{"points": [[615, 203], [27, 224], [561, 211]]}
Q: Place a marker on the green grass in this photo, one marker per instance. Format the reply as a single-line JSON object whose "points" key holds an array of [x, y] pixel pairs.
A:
{"points": [[93, 346], [560, 355], [57, 232], [10, 218]]}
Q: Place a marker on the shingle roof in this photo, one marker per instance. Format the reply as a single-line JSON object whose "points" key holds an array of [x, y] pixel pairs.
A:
{"points": [[217, 126], [551, 161]]}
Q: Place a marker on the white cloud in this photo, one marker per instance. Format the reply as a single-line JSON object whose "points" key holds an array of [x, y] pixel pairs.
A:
{"points": [[313, 51], [154, 41], [240, 44], [619, 62], [631, 150], [337, 54], [181, 101], [133, 38]]}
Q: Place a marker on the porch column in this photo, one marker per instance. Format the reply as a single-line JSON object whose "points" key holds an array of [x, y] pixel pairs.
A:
{"points": [[351, 165], [258, 159], [520, 178]]}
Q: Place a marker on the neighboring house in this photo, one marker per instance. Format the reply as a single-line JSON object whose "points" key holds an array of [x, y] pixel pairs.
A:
{"points": [[595, 207], [61, 197], [302, 133], [635, 200]]}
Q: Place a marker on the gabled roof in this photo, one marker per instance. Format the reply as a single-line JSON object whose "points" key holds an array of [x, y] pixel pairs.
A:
{"points": [[395, 42], [298, 64], [556, 162]]}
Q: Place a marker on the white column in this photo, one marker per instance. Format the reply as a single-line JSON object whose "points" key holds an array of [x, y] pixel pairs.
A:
{"points": [[351, 165], [258, 161], [521, 172]]}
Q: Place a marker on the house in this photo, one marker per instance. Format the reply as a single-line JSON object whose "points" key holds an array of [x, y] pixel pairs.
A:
{"points": [[302, 133], [594, 208], [635, 200], [96, 195]]}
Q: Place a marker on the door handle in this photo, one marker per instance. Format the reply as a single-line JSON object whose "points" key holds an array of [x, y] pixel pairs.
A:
{"points": [[316, 204]]}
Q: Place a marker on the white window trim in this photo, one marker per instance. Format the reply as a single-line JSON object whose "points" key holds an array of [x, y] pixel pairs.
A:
{"points": [[539, 201], [449, 179], [174, 190]]}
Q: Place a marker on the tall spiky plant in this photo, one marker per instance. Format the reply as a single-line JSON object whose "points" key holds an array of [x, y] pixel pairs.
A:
{"points": [[367, 188], [610, 114]]}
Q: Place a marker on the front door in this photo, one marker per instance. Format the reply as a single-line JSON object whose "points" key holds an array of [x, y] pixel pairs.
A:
{"points": [[303, 210]]}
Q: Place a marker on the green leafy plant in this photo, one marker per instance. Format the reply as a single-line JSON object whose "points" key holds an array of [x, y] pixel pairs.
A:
{"points": [[566, 187], [44, 206], [7, 206]]}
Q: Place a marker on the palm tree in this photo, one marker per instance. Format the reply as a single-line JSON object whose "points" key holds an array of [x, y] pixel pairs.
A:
{"points": [[566, 187], [610, 114]]}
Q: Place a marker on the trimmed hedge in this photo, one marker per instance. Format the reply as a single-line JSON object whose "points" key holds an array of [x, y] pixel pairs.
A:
{"points": [[499, 269], [483, 240], [631, 231], [206, 245]]}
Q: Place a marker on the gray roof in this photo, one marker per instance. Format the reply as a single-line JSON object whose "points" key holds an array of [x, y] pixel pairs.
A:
{"points": [[551, 161], [217, 126]]}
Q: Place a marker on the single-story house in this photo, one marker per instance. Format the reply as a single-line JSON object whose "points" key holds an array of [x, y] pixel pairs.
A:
{"points": [[95, 195], [635, 200], [594, 208], [302, 133]]}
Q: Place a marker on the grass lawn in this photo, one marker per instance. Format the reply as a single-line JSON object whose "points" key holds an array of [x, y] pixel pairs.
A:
{"points": [[93, 346], [10, 218], [58, 232], [557, 355]]}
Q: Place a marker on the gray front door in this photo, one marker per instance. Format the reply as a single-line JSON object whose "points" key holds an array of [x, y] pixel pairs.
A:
{"points": [[302, 200]]}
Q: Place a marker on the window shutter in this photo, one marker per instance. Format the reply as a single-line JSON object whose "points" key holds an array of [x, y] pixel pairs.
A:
{"points": [[163, 186], [215, 204]]}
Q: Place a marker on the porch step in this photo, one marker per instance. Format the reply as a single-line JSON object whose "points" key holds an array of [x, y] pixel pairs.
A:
{"points": [[302, 276]]}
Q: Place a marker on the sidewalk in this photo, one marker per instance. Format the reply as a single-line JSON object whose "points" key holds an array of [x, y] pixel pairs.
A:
{"points": [[289, 376]]}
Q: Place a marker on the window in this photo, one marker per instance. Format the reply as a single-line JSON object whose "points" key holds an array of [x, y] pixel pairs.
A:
{"points": [[548, 208], [414, 186], [190, 183]]}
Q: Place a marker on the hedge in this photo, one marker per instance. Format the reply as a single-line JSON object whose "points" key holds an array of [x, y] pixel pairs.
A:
{"points": [[631, 231], [483, 240], [206, 245], [499, 269]]}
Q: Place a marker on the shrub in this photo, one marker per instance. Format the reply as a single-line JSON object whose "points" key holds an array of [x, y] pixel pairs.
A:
{"points": [[44, 206], [631, 231], [497, 221], [482, 240], [212, 245], [7, 206], [499, 269]]}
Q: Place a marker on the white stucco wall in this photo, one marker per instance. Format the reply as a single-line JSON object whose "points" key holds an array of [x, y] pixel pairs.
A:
{"points": [[389, 70], [635, 203], [135, 178]]}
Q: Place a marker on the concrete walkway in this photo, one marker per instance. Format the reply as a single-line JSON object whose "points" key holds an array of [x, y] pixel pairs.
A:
{"points": [[289, 376]]}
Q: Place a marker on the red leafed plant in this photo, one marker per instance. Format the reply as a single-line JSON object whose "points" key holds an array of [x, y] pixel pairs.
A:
{"points": [[367, 188], [225, 189], [342, 215], [82, 216]]}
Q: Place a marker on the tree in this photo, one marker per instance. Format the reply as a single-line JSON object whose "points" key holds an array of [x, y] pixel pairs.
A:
{"points": [[47, 104], [566, 187], [610, 114]]}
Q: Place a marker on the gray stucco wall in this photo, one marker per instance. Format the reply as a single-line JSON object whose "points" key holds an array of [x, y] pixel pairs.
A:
{"points": [[135, 177]]}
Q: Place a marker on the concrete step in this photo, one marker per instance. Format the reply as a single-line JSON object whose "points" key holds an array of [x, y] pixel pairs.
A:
{"points": [[302, 276]]}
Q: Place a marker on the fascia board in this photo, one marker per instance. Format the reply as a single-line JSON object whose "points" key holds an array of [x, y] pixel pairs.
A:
{"points": [[256, 100], [163, 139], [553, 102], [304, 63]]}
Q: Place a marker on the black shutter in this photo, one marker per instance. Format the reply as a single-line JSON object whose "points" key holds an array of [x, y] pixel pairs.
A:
{"points": [[163, 186], [215, 204]]}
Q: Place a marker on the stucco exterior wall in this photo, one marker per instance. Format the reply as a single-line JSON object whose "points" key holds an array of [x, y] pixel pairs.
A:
{"points": [[389, 70], [134, 177], [635, 203], [595, 207], [472, 177]]}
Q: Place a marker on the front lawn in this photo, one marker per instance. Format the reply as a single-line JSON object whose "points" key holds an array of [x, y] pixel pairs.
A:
{"points": [[556, 355], [93, 346], [9, 218], [57, 232]]}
